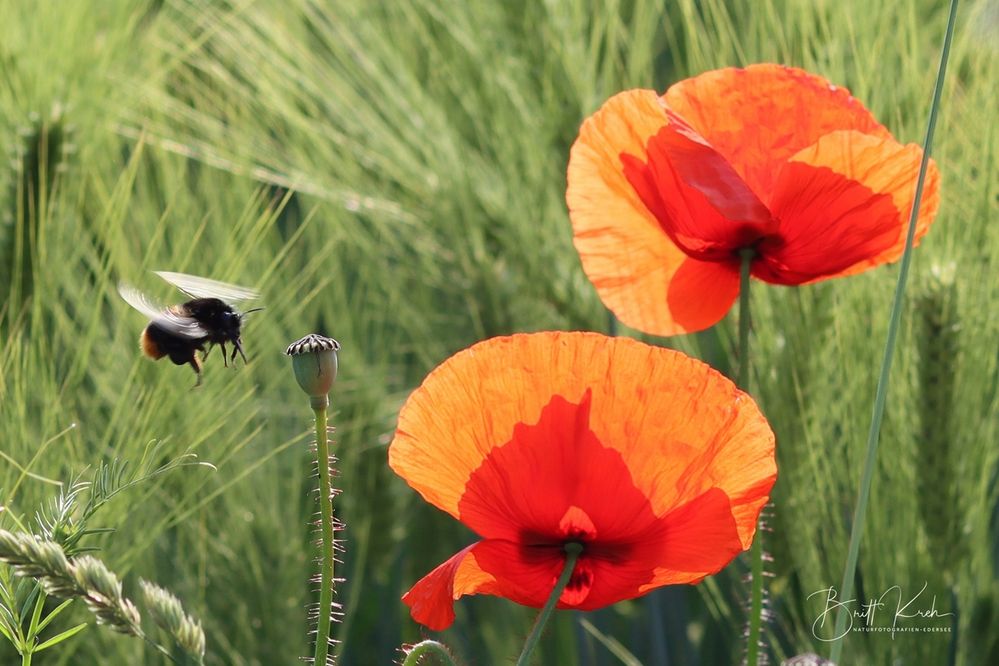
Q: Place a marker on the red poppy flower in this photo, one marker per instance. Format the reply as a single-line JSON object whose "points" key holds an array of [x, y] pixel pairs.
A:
{"points": [[664, 192], [655, 463]]}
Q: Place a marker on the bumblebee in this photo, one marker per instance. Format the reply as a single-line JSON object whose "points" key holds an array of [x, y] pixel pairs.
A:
{"points": [[179, 331]]}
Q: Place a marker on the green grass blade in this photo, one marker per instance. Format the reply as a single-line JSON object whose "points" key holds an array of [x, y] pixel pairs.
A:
{"points": [[612, 644], [860, 513]]}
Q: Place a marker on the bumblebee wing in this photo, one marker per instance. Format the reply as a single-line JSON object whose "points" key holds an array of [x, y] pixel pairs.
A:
{"points": [[171, 319], [199, 287]]}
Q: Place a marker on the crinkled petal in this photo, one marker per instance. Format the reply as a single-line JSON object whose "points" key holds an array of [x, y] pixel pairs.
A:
{"points": [[680, 427], [828, 223], [885, 167], [697, 196], [519, 573], [698, 540], [554, 481], [431, 600], [623, 249], [759, 116], [692, 541]]}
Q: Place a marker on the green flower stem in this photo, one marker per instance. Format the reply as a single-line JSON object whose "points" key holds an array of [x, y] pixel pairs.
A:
{"points": [[873, 436], [314, 361], [427, 648], [742, 378], [572, 551], [756, 552], [326, 510]]}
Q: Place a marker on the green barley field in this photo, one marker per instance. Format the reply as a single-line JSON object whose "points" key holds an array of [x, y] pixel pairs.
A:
{"points": [[393, 174]]}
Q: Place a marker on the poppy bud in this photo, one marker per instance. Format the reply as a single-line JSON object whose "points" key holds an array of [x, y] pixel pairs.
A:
{"points": [[314, 359]]}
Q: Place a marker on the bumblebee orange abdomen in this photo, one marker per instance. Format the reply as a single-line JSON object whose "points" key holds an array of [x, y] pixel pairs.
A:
{"points": [[181, 350], [149, 347]]}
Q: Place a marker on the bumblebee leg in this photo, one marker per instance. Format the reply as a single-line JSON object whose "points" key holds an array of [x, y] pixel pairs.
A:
{"points": [[225, 362], [238, 347], [196, 364]]}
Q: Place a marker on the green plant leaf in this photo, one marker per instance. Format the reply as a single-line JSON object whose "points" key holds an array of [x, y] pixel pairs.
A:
{"points": [[59, 638], [5, 628], [36, 614], [51, 616]]}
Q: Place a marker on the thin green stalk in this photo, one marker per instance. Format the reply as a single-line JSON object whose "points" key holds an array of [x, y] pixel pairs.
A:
{"points": [[572, 551], [742, 378], [156, 646], [756, 553], [314, 361], [326, 512], [873, 436]]}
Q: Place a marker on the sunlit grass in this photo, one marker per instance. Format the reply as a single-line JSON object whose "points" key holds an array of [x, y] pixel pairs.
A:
{"points": [[426, 146]]}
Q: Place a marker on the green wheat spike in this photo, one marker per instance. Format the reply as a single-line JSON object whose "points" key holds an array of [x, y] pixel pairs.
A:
{"points": [[41, 151], [938, 342]]}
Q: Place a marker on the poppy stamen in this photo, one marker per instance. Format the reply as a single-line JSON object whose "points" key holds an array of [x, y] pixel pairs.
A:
{"points": [[576, 525]]}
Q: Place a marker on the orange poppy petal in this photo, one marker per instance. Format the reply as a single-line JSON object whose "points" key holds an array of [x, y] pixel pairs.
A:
{"points": [[702, 292], [624, 251], [689, 543], [431, 600], [759, 116], [555, 480], [501, 568], [828, 223], [885, 167], [701, 538], [680, 427], [695, 194]]}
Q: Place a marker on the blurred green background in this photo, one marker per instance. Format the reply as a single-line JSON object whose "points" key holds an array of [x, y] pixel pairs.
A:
{"points": [[393, 174]]}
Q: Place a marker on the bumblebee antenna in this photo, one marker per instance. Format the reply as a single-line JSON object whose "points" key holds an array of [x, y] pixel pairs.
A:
{"points": [[249, 311]]}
